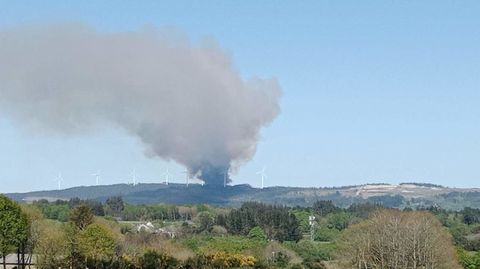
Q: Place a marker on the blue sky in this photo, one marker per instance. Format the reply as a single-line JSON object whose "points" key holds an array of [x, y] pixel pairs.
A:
{"points": [[374, 91]]}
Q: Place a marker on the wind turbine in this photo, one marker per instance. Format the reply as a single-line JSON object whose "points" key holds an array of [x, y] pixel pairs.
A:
{"points": [[59, 181], [134, 177], [187, 175], [167, 175], [263, 175], [97, 177], [225, 175]]}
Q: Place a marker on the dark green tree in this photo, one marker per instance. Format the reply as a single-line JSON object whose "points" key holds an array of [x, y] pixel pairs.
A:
{"points": [[471, 215], [277, 221], [324, 207], [114, 205], [14, 228]]}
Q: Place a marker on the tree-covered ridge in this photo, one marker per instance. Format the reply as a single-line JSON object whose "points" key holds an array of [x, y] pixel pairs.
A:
{"points": [[399, 196]]}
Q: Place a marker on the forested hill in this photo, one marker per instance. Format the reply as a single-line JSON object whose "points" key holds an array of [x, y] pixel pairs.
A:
{"points": [[402, 195]]}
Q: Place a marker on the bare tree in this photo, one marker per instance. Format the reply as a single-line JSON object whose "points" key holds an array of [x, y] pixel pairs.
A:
{"points": [[398, 240]]}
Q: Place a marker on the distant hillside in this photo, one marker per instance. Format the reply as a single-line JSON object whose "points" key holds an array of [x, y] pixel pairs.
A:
{"points": [[402, 195]]}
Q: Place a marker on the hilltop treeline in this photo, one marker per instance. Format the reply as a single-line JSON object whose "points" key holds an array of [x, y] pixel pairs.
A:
{"points": [[234, 196]]}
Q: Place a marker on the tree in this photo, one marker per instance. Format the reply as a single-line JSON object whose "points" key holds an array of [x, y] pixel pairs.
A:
{"points": [[471, 215], [323, 233], [96, 206], [205, 220], [97, 243], [35, 218], [81, 216], [324, 207], [74, 202], [277, 222], [14, 227], [339, 221], [74, 256], [51, 247], [114, 205], [35, 221], [395, 239], [363, 210]]}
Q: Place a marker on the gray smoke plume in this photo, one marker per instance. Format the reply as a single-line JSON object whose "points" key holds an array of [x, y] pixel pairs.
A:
{"points": [[184, 102]]}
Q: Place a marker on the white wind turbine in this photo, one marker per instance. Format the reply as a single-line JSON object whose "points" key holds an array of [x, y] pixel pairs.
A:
{"points": [[225, 175], [263, 175], [187, 176], [134, 177], [167, 176], [97, 177], [59, 181]]}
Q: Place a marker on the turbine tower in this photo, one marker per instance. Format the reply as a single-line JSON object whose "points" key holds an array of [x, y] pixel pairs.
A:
{"points": [[225, 175], [167, 175], [187, 176], [134, 177], [59, 181], [263, 175], [97, 177]]}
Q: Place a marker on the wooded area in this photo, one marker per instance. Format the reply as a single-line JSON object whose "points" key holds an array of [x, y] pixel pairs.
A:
{"points": [[87, 233]]}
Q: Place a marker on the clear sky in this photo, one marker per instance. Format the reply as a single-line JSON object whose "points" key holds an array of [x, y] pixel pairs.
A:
{"points": [[374, 91]]}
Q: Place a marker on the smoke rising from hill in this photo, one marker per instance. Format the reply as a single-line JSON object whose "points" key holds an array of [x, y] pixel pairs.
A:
{"points": [[185, 102]]}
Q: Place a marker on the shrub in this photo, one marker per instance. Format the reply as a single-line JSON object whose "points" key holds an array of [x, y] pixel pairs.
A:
{"points": [[311, 251], [257, 233], [326, 234], [154, 260], [219, 230]]}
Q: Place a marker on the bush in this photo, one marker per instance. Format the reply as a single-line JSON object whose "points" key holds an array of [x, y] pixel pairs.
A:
{"points": [[311, 251], [229, 244], [326, 234], [339, 221], [257, 233], [205, 221], [124, 229], [53, 211], [469, 260], [219, 230], [313, 264], [280, 260], [154, 260], [220, 260]]}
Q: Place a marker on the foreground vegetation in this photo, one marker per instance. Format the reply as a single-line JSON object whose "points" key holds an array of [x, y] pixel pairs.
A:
{"points": [[86, 233]]}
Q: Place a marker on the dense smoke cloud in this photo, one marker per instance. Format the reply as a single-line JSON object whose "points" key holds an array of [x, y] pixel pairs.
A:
{"points": [[184, 102]]}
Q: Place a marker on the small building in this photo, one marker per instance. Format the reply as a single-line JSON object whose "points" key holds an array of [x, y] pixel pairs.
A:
{"points": [[150, 228]]}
